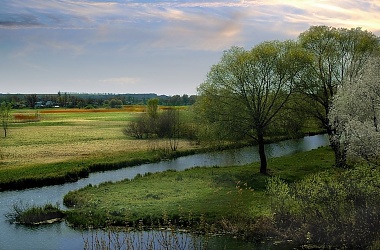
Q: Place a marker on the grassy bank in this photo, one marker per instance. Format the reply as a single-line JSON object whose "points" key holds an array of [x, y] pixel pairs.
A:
{"points": [[217, 195]]}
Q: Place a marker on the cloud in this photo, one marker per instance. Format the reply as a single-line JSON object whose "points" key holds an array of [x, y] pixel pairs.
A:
{"points": [[13, 20], [203, 25], [348, 13], [200, 31]]}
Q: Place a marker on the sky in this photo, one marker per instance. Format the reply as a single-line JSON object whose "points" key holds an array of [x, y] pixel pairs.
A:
{"points": [[162, 47]]}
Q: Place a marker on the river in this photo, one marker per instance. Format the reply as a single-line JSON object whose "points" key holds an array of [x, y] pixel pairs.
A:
{"points": [[61, 236]]}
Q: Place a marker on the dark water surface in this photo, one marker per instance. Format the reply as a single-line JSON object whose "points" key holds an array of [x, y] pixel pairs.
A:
{"points": [[60, 236]]}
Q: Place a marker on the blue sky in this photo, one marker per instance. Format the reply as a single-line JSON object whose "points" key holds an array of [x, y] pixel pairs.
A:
{"points": [[163, 47]]}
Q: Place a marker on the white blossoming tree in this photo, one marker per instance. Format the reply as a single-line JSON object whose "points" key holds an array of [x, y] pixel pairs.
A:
{"points": [[355, 114]]}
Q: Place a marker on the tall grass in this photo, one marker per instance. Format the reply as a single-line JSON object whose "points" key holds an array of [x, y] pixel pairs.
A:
{"points": [[165, 235]]}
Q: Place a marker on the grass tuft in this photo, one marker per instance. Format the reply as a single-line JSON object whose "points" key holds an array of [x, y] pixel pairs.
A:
{"points": [[33, 215]]}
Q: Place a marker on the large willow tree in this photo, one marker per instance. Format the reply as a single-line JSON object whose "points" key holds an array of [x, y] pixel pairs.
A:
{"points": [[244, 93]]}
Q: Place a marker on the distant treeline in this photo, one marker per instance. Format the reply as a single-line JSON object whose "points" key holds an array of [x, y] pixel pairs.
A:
{"points": [[86, 100]]}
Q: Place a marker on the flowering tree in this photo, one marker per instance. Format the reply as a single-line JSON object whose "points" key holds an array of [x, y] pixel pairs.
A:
{"points": [[355, 114], [339, 57]]}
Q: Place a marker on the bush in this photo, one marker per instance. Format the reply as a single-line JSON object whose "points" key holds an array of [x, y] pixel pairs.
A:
{"points": [[327, 210], [89, 106], [163, 125]]}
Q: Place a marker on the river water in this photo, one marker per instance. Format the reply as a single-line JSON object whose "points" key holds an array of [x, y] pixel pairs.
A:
{"points": [[61, 236]]}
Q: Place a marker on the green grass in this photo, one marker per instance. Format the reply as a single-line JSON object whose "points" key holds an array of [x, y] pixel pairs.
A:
{"points": [[216, 193]]}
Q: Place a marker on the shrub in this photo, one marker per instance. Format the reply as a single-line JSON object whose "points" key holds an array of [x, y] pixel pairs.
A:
{"points": [[327, 210], [89, 106]]}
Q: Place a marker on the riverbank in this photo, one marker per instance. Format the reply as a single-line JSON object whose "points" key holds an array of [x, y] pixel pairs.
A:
{"points": [[61, 147], [221, 197], [40, 175], [46, 174]]}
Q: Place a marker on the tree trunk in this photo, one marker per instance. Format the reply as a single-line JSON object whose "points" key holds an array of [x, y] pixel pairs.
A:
{"points": [[263, 158], [339, 152]]}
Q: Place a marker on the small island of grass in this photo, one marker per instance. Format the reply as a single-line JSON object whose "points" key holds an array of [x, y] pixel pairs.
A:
{"points": [[219, 196]]}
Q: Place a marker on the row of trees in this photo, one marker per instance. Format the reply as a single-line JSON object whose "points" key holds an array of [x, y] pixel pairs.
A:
{"points": [[249, 91], [77, 100]]}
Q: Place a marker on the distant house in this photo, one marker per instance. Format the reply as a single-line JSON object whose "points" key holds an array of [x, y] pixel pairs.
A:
{"points": [[49, 104], [38, 105]]}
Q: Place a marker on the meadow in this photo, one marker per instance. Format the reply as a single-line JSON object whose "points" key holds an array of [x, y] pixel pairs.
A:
{"points": [[57, 145]]}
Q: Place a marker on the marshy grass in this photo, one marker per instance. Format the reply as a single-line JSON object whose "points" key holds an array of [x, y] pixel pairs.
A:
{"points": [[165, 235], [34, 215], [124, 239]]}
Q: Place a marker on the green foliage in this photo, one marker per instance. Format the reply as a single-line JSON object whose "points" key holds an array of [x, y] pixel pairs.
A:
{"points": [[89, 107], [246, 91], [327, 209], [115, 103], [80, 100], [158, 125], [5, 116], [152, 108]]}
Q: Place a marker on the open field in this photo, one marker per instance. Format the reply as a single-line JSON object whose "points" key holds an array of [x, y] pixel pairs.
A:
{"points": [[51, 143], [217, 194]]}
